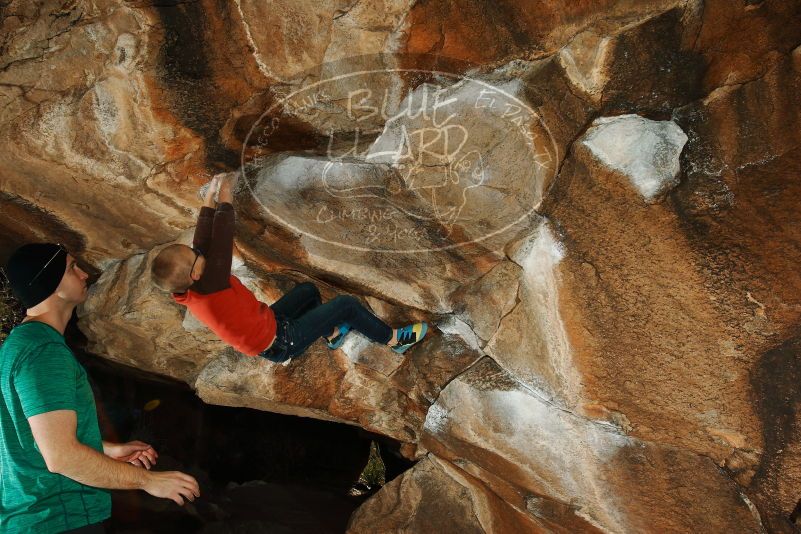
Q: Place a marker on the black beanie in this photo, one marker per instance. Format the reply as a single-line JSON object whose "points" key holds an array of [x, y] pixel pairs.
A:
{"points": [[24, 265]]}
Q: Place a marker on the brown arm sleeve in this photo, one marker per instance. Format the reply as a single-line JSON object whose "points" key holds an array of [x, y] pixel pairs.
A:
{"points": [[202, 238], [218, 256]]}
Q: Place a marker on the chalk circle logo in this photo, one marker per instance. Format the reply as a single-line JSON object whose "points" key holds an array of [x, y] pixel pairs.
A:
{"points": [[399, 160]]}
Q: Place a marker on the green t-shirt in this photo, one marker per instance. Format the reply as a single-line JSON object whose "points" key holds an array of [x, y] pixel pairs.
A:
{"points": [[38, 374]]}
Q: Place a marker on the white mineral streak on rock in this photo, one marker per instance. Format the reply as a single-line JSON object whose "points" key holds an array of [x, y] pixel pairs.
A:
{"points": [[556, 450], [116, 119], [108, 119], [256, 53], [354, 345], [754, 512], [436, 418], [455, 326], [48, 133], [583, 60], [540, 248], [645, 151], [531, 341]]}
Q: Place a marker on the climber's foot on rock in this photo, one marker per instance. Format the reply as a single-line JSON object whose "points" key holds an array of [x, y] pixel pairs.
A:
{"points": [[407, 336], [336, 341]]}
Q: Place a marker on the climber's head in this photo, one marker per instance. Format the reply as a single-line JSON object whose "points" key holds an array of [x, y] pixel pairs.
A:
{"points": [[177, 267]]}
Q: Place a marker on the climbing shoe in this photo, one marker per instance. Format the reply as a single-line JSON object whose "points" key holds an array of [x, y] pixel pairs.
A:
{"points": [[337, 341], [409, 335]]}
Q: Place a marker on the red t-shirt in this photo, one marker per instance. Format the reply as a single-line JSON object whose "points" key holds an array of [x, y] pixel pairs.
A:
{"points": [[234, 315]]}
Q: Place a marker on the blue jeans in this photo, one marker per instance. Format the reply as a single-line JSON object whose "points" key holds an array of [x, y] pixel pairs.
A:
{"points": [[301, 318]]}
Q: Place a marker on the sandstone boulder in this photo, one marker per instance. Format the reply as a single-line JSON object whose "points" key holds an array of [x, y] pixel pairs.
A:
{"points": [[611, 268], [503, 433], [435, 496]]}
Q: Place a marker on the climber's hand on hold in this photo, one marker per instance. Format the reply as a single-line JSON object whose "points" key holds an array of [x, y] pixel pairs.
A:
{"points": [[214, 185], [226, 189]]}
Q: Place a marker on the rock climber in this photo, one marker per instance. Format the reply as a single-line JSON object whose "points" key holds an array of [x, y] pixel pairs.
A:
{"points": [[199, 277], [55, 466]]}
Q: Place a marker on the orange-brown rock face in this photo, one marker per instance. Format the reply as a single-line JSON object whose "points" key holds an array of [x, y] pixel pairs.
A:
{"points": [[483, 32], [595, 205]]}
